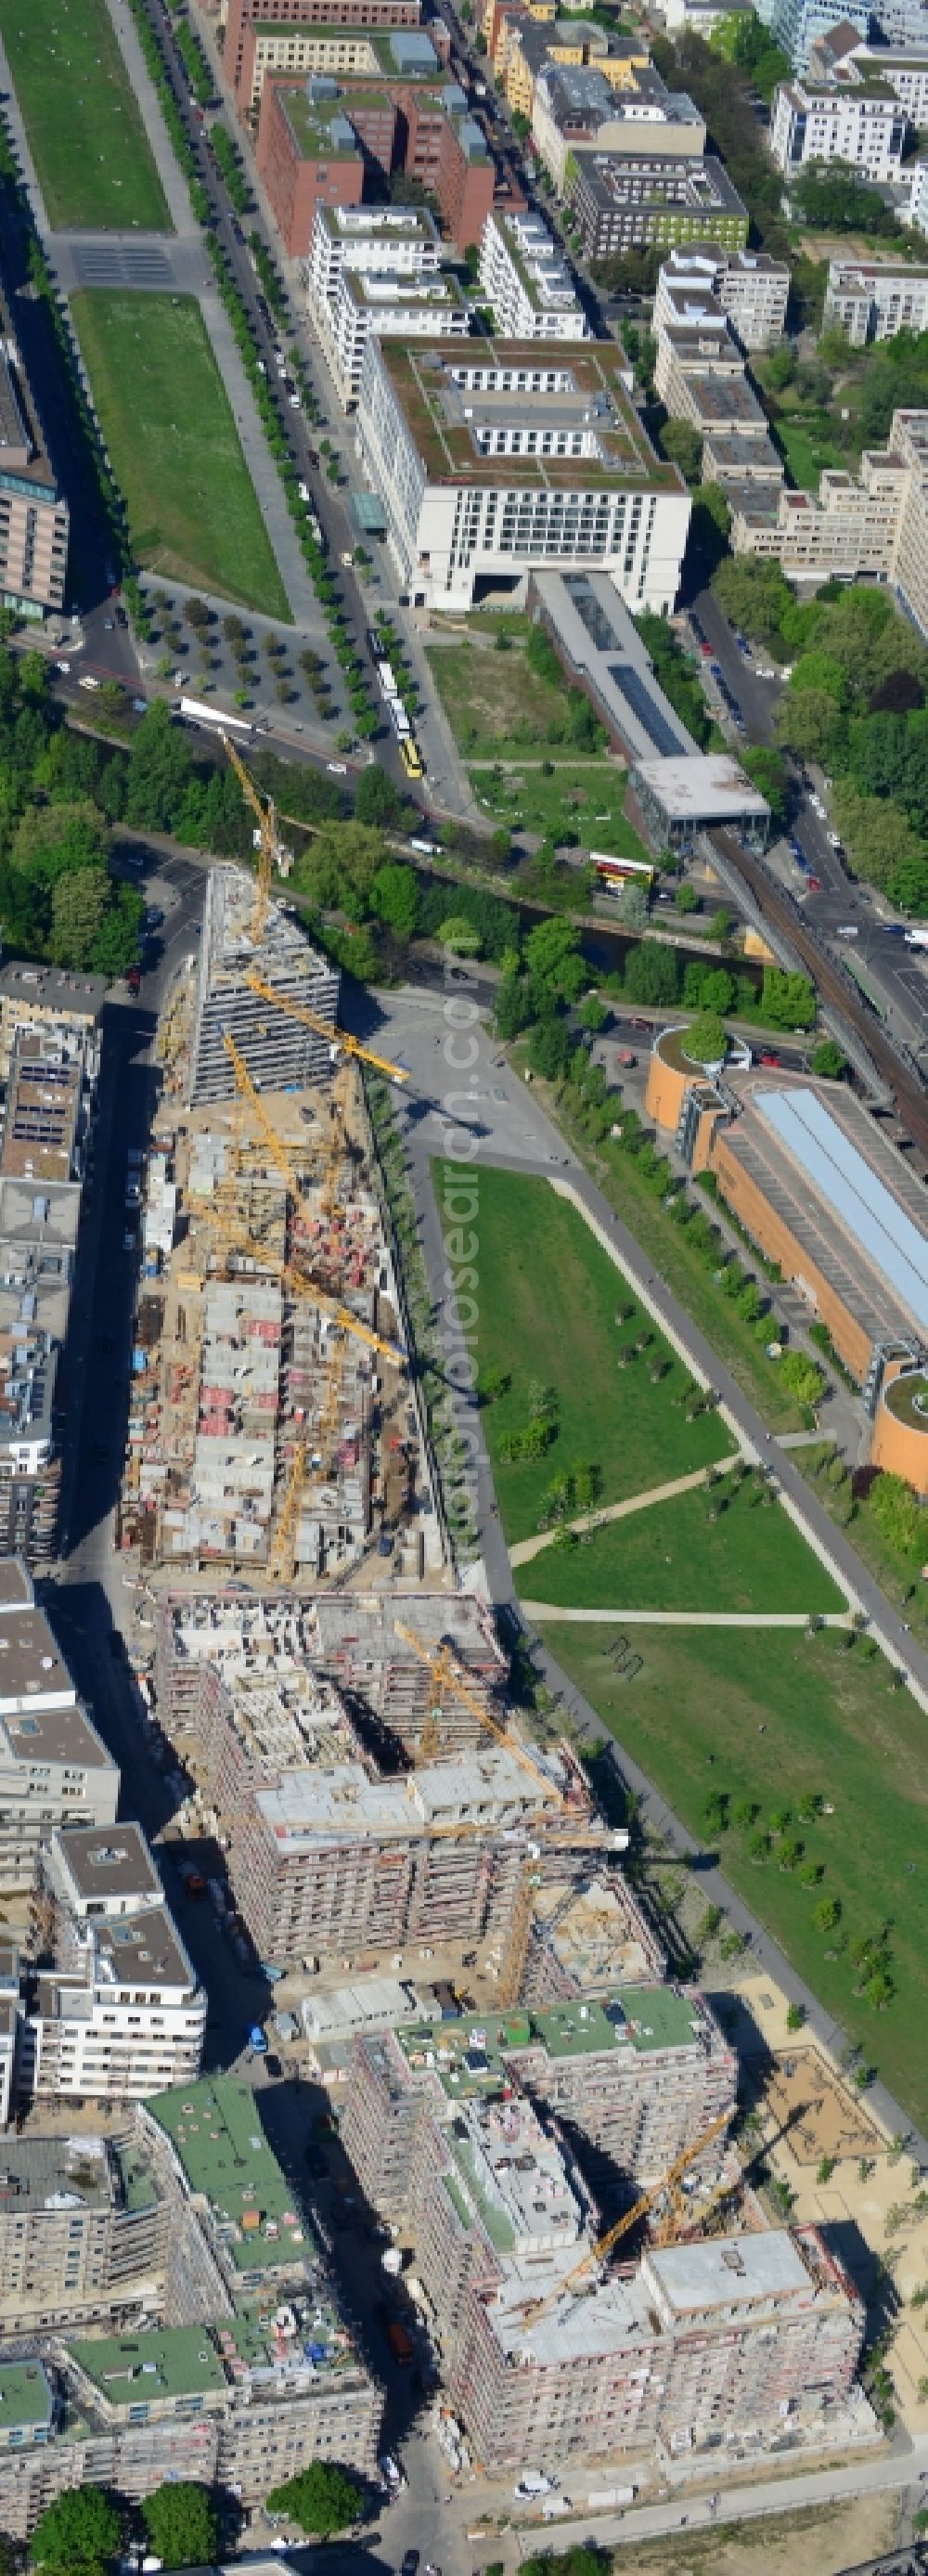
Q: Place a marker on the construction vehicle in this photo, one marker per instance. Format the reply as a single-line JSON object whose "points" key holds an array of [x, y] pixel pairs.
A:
{"points": [[538, 2308], [271, 851]]}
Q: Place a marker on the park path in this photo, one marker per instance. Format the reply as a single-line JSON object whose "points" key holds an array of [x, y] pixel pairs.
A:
{"points": [[526, 1548], [690, 1618]]}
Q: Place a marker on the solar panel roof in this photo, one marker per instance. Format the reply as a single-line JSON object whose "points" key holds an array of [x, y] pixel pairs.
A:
{"points": [[863, 1206]]}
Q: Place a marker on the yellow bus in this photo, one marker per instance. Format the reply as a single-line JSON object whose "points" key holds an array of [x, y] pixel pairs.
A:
{"points": [[412, 759]]}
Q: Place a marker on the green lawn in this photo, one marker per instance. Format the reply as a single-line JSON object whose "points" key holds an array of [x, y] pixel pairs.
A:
{"points": [[548, 1296], [807, 448], [169, 428], [84, 127], [783, 1717], [680, 1265], [497, 707], [584, 798], [674, 1557]]}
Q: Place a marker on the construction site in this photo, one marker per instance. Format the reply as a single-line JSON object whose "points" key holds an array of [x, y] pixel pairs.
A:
{"points": [[354, 1760], [689, 2327], [273, 1425]]}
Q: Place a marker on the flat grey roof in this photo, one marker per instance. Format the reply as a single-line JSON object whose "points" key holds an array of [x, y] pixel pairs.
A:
{"points": [[867, 1212], [723, 2272], [109, 1860], [701, 786], [31, 1666]]}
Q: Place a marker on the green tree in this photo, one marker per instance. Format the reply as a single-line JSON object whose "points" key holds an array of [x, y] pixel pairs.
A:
{"points": [[78, 2535], [378, 801], [53, 839], [808, 724], [719, 925], [705, 1041], [118, 941], [160, 767], [822, 673], [828, 1060], [79, 903], [553, 960], [802, 1377], [394, 897], [686, 899], [549, 1049], [787, 1000], [753, 594], [321, 2499], [592, 1014], [767, 772], [651, 974], [682, 445], [182, 2524]]}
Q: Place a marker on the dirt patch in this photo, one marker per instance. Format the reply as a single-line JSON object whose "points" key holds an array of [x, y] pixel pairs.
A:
{"points": [[816, 2113], [817, 2543]]}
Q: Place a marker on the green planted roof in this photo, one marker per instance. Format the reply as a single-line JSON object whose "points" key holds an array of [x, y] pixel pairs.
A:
{"points": [[215, 2130], [128, 2370], [25, 2395]]}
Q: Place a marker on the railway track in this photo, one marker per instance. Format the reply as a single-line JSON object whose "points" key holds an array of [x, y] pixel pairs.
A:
{"points": [[836, 989]]}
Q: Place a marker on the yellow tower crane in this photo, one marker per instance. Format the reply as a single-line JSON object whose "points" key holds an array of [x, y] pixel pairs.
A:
{"points": [[337, 1037], [538, 2308], [298, 1282], [271, 852], [281, 1564], [248, 1092], [352, 1051], [446, 1674]]}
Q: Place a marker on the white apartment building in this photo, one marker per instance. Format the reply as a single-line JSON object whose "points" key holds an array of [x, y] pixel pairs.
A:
{"points": [[393, 241], [388, 307], [845, 56], [526, 279], [118, 2013], [876, 527], [864, 126], [54, 1768], [751, 289], [916, 212], [491, 466], [871, 302]]}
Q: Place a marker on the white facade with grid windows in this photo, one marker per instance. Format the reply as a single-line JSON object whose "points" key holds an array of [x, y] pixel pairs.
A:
{"points": [[867, 127], [488, 469]]}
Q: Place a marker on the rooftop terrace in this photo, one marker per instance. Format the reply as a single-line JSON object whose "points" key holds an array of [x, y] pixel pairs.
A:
{"points": [[447, 397]]}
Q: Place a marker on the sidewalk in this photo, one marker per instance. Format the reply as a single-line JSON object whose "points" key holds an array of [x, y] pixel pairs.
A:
{"points": [[525, 1548]]}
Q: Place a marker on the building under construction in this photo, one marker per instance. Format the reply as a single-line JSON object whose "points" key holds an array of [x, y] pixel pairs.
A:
{"points": [[257, 1393], [241, 938], [640, 2077], [733, 2343]]}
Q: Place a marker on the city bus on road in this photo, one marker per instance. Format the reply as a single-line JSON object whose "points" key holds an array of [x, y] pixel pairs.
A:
{"points": [[411, 758]]}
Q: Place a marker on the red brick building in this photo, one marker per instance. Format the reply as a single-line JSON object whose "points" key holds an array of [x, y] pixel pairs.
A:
{"points": [[450, 155], [378, 15], [314, 149], [305, 160]]}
